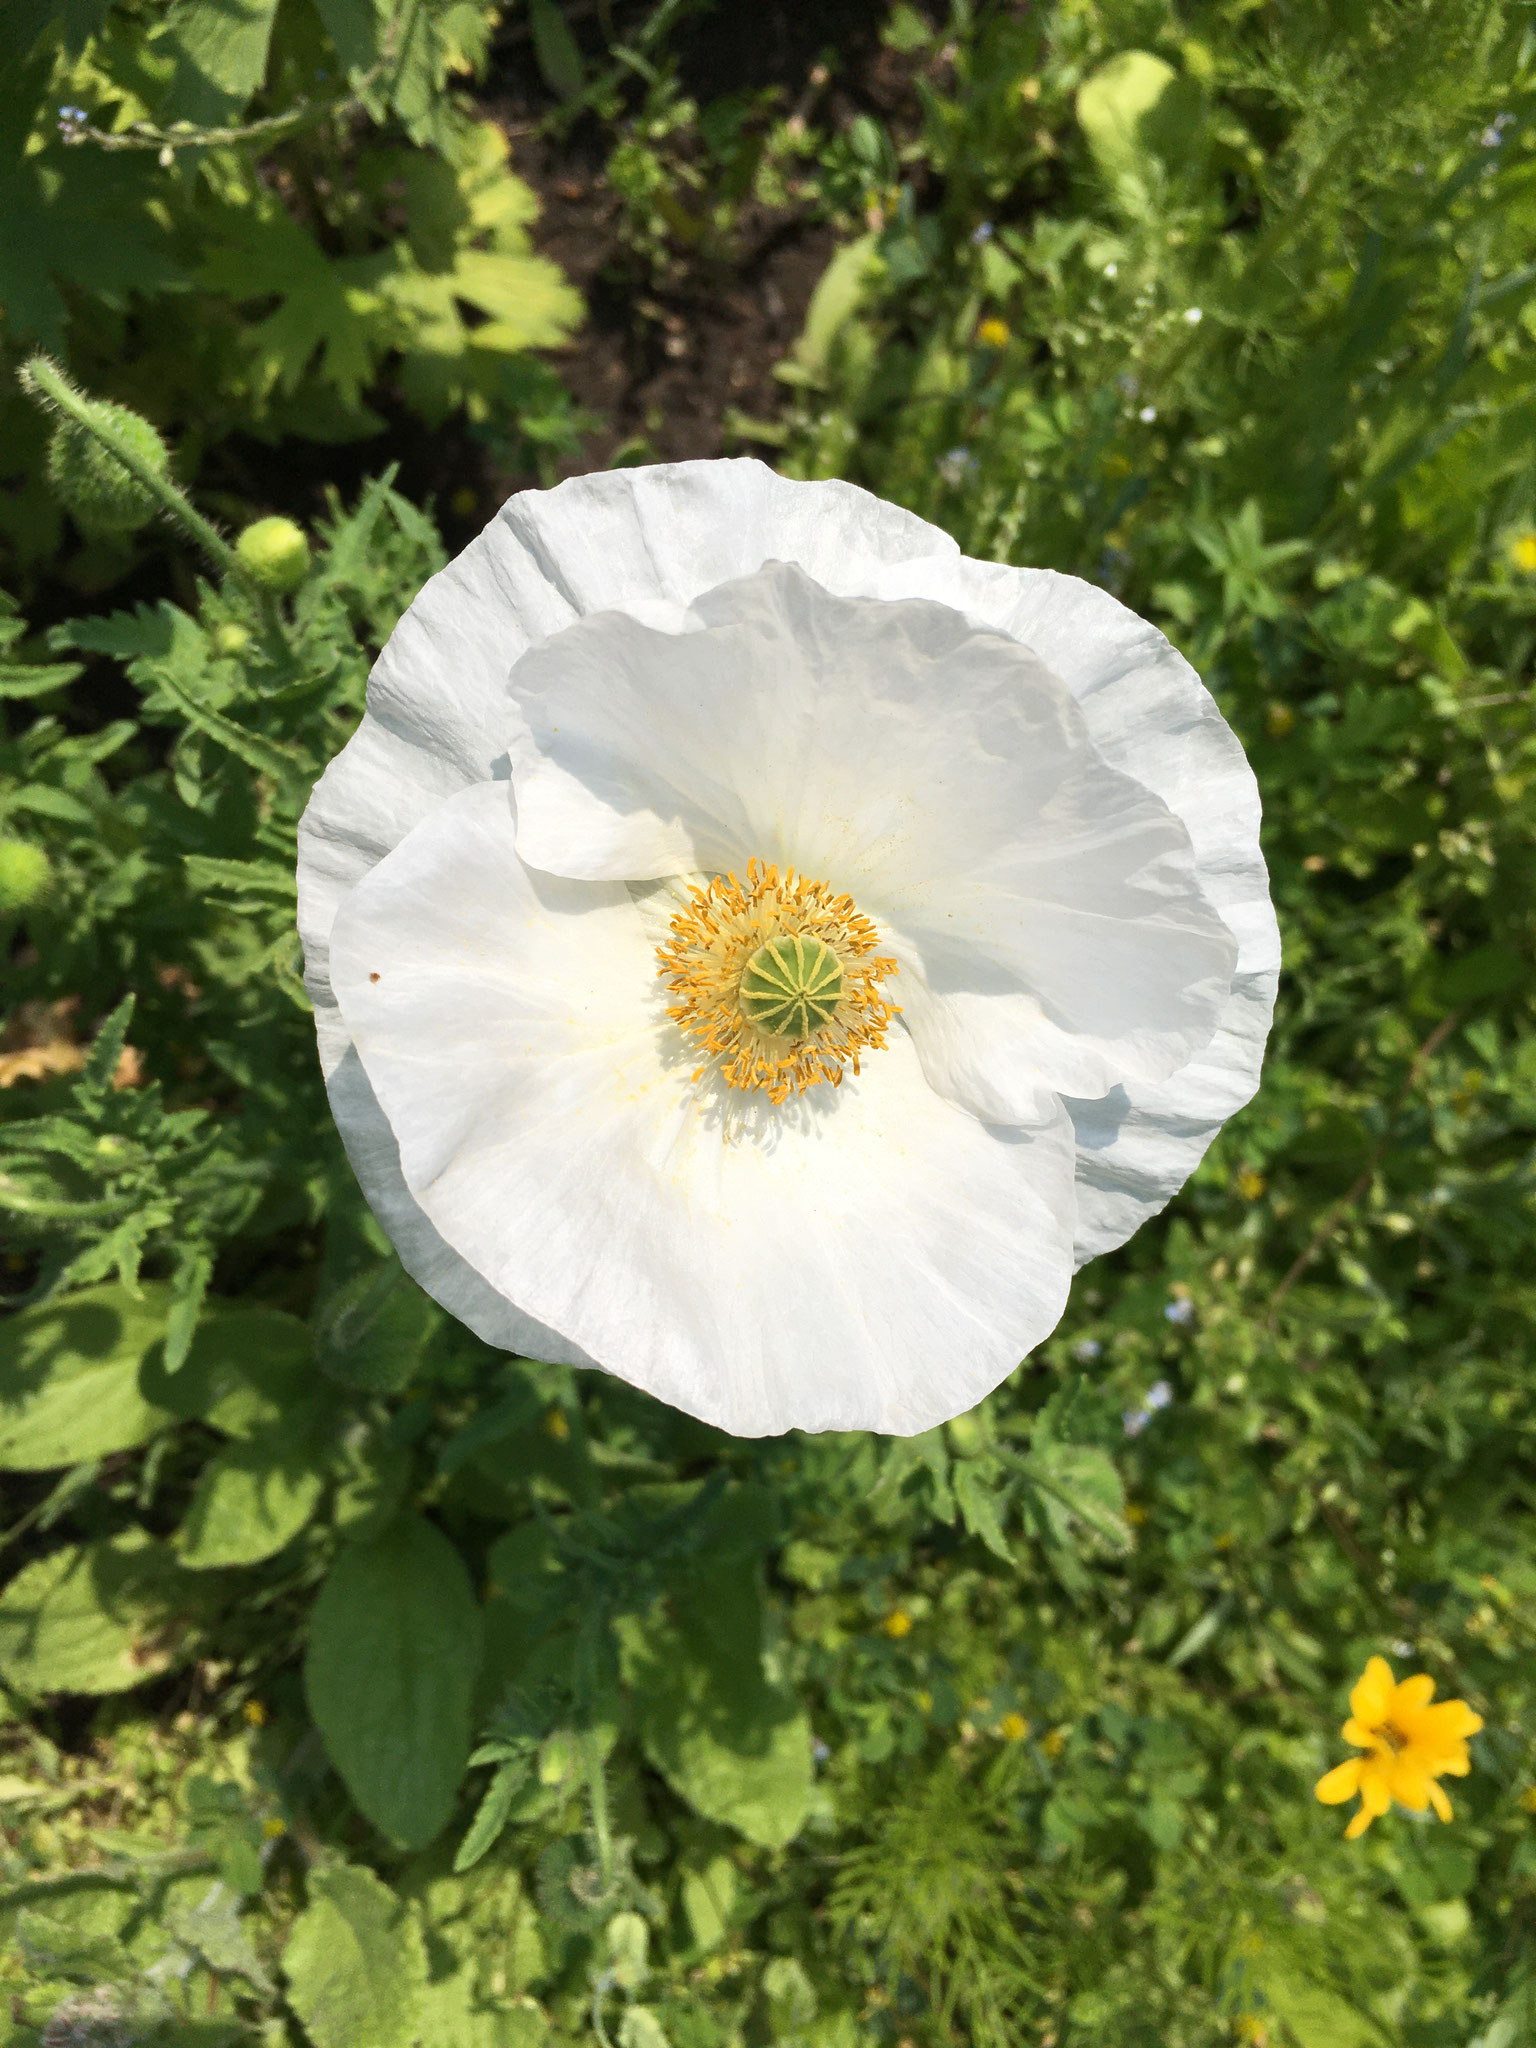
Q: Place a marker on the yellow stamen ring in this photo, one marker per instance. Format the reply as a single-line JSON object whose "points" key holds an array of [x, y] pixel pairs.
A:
{"points": [[776, 980]]}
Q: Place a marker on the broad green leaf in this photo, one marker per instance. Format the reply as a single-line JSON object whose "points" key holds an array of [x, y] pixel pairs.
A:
{"points": [[371, 1333], [70, 1377], [252, 1497], [221, 49], [355, 28], [1137, 106], [394, 1651], [91, 1618], [245, 1369], [355, 1963], [734, 1745], [708, 1896]]}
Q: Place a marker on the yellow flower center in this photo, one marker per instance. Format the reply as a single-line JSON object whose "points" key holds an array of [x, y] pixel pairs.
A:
{"points": [[776, 979]]}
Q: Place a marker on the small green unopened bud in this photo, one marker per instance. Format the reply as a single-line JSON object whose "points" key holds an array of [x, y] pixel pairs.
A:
{"points": [[275, 552], [104, 495], [230, 638], [791, 986], [25, 874]]}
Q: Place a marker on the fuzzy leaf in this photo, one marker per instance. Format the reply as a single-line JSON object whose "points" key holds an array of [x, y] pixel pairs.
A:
{"points": [[251, 1498], [355, 1964], [394, 1651], [70, 1386], [93, 1618]]}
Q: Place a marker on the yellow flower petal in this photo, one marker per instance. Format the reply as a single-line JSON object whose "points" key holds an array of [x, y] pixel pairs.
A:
{"points": [[1446, 1722], [1359, 1734], [1341, 1783], [1375, 1792], [1373, 1693], [1438, 1800], [1359, 1824], [1413, 1695], [1410, 1784]]}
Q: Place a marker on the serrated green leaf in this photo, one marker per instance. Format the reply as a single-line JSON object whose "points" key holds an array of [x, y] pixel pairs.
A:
{"points": [[1077, 1484], [491, 1814], [978, 1498], [394, 1651], [736, 1746], [24, 679]]}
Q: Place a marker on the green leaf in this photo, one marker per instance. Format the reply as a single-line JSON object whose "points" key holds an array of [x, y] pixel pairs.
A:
{"points": [[221, 50], [556, 49], [245, 1369], [355, 1963], [1137, 106], [736, 1746], [837, 296], [70, 1377], [976, 1494], [355, 28], [1077, 1494], [372, 1332], [394, 1651], [328, 313], [91, 1618], [260, 754], [491, 1814], [1473, 976], [252, 1497], [28, 679]]}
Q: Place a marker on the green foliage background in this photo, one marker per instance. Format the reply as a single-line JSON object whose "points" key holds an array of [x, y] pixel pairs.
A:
{"points": [[364, 1687]]}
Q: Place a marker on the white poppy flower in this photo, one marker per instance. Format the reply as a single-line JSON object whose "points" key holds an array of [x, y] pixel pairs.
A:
{"points": [[758, 951]]}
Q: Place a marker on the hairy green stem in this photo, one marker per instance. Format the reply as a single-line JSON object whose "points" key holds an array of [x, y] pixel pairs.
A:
{"points": [[43, 379]]}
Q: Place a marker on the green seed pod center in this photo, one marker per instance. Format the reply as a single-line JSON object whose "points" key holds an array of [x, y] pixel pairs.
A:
{"points": [[791, 986]]}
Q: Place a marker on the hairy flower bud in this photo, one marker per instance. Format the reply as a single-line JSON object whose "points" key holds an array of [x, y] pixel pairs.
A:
{"points": [[101, 492], [275, 552], [25, 874]]}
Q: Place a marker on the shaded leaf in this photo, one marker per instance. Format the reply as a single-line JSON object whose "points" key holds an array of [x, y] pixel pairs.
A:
{"points": [[70, 1377], [394, 1651]]}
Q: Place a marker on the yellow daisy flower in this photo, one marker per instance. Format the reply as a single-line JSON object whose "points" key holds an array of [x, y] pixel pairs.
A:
{"points": [[1409, 1744], [993, 333], [1522, 552]]}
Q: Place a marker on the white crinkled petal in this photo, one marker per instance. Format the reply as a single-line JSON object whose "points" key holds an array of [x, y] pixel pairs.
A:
{"points": [[867, 1257], [648, 537], [1043, 905], [438, 715], [1150, 714]]}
